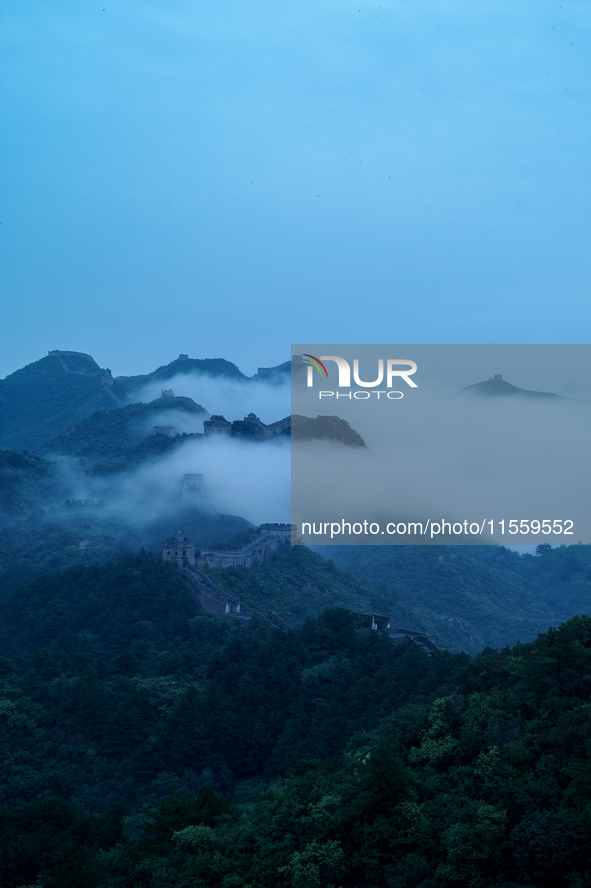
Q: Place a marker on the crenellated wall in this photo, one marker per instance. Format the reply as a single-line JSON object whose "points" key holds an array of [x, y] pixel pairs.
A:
{"points": [[271, 539]]}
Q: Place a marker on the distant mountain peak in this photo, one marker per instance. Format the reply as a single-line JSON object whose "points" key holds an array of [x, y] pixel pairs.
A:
{"points": [[496, 386], [48, 396], [216, 367]]}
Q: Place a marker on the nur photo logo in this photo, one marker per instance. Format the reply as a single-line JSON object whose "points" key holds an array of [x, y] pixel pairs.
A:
{"points": [[388, 370]]}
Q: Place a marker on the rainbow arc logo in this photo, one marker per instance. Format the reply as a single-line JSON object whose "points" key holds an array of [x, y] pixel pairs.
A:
{"points": [[317, 363]]}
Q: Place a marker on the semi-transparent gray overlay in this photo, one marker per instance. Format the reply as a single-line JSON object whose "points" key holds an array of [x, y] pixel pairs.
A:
{"points": [[441, 444]]}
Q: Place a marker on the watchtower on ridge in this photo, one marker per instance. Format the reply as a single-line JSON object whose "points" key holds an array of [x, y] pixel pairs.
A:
{"points": [[179, 549]]}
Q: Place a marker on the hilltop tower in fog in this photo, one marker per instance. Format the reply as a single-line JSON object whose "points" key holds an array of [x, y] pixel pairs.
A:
{"points": [[179, 549], [192, 485], [217, 425]]}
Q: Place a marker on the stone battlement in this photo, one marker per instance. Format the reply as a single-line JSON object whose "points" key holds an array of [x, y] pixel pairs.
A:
{"points": [[180, 550], [59, 351], [379, 623], [272, 538], [167, 431]]}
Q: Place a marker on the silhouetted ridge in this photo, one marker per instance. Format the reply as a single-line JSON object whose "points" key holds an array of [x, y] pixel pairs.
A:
{"points": [[48, 396], [497, 386]]}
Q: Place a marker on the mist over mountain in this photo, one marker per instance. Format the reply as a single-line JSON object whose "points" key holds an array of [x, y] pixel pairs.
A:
{"points": [[111, 482], [46, 398], [115, 433], [108, 474], [183, 365], [233, 398]]}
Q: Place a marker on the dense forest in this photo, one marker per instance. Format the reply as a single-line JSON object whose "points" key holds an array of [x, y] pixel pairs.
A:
{"points": [[148, 743], [469, 597]]}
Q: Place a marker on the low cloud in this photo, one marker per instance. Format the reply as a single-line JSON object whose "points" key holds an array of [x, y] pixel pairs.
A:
{"points": [[460, 458], [232, 398], [242, 478]]}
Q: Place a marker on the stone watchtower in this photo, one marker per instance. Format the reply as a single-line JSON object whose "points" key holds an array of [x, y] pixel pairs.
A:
{"points": [[217, 425], [179, 549], [192, 485]]}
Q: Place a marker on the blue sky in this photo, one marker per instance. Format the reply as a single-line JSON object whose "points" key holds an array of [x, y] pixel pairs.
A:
{"points": [[225, 178]]}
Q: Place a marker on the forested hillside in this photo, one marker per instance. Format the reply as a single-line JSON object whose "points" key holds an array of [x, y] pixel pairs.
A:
{"points": [[466, 597], [47, 398], [215, 367], [298, 585], [27, 483], [473, 596], [86, 532], [50, 395], [146, 743], [117, 433]]}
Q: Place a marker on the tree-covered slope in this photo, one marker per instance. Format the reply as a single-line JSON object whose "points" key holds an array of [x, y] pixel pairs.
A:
{"points": [[48, 396], [558, 579], [469, 597], [146, 743], [110, 433], [84, 533], [488, 785], [27, 482], [331, 428], [216, 367], [119, 659], [298, 584]]}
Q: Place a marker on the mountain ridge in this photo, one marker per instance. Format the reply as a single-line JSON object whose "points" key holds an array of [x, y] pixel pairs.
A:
{"points": [[496, 386], [49, 395], [44, 399]]}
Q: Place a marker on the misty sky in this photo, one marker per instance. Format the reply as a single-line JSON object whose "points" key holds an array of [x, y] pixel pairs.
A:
{"points": [[223, 179]]}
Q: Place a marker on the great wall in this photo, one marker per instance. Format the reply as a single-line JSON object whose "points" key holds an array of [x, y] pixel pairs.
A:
{"points": [[271, 540], [106, 379], [180, 550]]}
